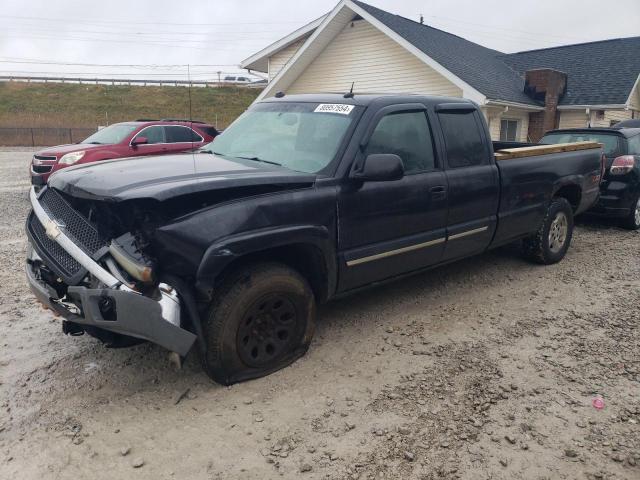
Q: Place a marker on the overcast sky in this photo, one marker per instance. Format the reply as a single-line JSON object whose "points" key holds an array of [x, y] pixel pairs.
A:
{"points": [[219, 34]]}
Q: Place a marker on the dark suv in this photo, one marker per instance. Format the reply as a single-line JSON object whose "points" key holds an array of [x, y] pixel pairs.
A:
{"points": [[620, 186]]}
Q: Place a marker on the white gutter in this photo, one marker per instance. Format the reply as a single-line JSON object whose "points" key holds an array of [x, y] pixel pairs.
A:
{"points": [[524, 106], [618, 106]]}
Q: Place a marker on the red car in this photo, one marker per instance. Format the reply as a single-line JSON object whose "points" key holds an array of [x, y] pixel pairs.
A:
{"points": [[127, 139]]}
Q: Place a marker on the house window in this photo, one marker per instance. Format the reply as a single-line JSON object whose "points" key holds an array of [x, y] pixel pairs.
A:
{"points": [[508, 130], [599, 114]]}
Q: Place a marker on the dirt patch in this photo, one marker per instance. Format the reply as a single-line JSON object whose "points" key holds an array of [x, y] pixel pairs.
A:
{"points": [[486, 368]]}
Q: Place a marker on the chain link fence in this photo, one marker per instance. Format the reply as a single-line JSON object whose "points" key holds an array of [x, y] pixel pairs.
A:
{"points": [[42, 136]]}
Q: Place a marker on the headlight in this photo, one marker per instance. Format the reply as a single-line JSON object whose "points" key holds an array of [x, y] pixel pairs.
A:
{"points": [[71, 158], [132, 266]]}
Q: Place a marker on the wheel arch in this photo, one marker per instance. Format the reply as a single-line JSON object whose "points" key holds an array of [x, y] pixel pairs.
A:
{"points": [[306, 249], [570, 191]]}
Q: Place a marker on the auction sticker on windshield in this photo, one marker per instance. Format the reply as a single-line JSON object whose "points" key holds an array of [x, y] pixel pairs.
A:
{"points": [[334, 108]]}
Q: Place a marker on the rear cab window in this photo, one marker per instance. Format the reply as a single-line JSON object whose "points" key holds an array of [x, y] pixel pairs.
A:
{"points": [[463, 139]]}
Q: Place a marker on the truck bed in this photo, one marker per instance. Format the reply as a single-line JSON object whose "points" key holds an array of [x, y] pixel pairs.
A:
{"points": [[535, 174], [529, 150]]}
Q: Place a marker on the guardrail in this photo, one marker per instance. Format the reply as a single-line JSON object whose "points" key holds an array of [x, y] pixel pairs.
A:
{"points": [[129, 81], [42, 136]]}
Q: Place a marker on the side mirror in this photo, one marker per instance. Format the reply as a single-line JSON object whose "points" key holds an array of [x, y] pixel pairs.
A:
{"points": [[381, 167], [139, 141]]}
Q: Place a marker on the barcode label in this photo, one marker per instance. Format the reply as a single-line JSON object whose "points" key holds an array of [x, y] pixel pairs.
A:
{"points": [[334, 108]]}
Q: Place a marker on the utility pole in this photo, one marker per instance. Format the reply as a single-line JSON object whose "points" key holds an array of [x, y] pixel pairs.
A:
{"points": [[219, 73]]}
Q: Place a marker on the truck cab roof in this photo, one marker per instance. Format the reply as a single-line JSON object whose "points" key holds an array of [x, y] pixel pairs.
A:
{"points": [[365, 100]]}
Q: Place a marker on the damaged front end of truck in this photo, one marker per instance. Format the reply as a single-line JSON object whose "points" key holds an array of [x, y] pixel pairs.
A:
{"points": [[109, 250], [97, 277]]}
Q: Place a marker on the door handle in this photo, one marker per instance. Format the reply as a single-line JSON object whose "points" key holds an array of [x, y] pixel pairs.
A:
{"points": [[438, 192]]}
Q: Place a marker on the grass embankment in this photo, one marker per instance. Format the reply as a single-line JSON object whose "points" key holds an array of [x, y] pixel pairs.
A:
{"points": [[74, 105]]}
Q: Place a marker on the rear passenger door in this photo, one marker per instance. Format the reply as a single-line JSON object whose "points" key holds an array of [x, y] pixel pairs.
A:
{"points": [[389, 228], [473, 179]]}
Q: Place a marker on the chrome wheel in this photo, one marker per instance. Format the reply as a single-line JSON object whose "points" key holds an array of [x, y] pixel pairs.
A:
{"points": [[558, 232]]}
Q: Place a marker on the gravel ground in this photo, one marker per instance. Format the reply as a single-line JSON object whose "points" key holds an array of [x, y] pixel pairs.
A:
{"points": [[484, 369]]}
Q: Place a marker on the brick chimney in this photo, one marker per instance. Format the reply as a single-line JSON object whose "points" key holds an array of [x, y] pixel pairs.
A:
{"points": [[548, 86]]}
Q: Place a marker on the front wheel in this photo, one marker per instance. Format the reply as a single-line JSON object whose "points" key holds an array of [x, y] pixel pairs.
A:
{"points": [[262, 320], [551, 241], [632, 221]]}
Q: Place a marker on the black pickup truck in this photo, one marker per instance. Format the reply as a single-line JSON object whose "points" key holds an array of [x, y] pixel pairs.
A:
{"points": [[302, 199]]}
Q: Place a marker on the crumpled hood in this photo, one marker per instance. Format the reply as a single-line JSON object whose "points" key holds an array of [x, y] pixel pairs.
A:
{"points": [[168, 176]]}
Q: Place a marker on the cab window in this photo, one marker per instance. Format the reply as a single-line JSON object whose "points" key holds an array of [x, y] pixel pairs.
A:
{"points": [[407, 135], [463, 139]]}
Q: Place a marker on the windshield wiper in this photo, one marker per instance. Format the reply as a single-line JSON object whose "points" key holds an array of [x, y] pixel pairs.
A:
{"points": [[255, 159], [258, 159], [95, 143]]}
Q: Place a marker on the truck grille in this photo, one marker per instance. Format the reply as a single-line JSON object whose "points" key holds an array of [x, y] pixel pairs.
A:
{"points": [[46, 158], [75, 226], [54, 255]]}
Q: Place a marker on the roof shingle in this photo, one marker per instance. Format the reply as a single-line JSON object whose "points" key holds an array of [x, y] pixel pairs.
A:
{"points": [[599, 73]]}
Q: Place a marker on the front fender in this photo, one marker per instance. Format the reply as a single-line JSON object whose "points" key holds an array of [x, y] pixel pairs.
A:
{"points": [[221, 253]]}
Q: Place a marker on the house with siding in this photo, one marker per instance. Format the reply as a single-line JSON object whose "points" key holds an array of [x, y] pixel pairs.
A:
{"points": [[522, 95]]}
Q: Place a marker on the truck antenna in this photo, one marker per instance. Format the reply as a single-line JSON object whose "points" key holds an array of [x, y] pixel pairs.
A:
{"points": [[350, 94], [191, 116]]}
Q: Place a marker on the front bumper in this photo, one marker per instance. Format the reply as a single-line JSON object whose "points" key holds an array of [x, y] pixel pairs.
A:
{"points": [[127, 312]]}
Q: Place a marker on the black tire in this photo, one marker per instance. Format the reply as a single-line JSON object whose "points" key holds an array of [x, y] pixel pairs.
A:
{"points": [[545, 248], [632, 221], [262, 320]]}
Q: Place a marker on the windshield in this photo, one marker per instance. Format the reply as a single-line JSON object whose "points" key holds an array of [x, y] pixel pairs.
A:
{"points": [[111, 134], [300, 136], [610, 141]]}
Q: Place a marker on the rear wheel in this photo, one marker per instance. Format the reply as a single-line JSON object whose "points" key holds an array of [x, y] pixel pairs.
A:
{"points": [[262, 320], [551, 241], [632, 221]]}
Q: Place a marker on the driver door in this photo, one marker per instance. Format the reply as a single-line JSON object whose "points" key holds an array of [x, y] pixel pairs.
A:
{"points": [[388, 228], [156, 143]]}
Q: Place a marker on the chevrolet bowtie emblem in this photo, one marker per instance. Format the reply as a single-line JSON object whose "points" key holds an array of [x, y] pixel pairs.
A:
{"points": [[52, 229]]}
